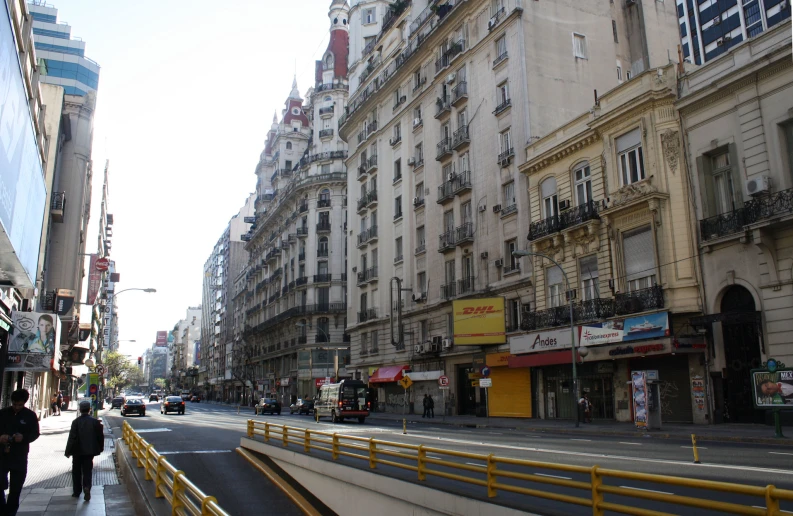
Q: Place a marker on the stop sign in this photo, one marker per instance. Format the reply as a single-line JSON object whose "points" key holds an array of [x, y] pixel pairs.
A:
{"points": [[102, 264]]}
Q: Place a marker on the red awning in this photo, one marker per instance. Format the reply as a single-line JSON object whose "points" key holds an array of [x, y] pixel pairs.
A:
{"points": [[542, 359], [388, 374]]}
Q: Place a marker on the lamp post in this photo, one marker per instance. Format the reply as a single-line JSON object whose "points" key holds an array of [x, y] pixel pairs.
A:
{"points": [[572, 325]]}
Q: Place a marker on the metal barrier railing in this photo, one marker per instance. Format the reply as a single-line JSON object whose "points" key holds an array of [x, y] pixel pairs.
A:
{"points": [[492, 475], [169, 482]]}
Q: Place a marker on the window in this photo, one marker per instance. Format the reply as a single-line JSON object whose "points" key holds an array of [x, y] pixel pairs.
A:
{"points": [[448, 220], [323, 245], [502, 94], [449, 271], [325, 169], [417, 80], [505, 141], [639, 253], [579, 45], [364, 262], [583, 184], [510, 247], [419, 153], [464, 163], [417, 115], [364, 343], [721, 171], [614, 30], [288, 165], [619, 73], [323, 329], [374, 341], [465, 212], [398, 207], [398, 248], [423, 332], [550, 203], [369, 16], [288, 145], [501, 48], [447, 172], [324, 217], [509, 194], [513, 309], [462, 119], [364, 300], [446, 131], [788, 131], [630, 159], [420, 191], [553, 278], [421, 282], [397, 132], [374, 257], [398, 169], [420, 236], [588, 271], [628, 75]]}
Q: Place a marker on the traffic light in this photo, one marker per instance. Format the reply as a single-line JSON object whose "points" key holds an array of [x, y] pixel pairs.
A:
{"points": [[140, 361]]}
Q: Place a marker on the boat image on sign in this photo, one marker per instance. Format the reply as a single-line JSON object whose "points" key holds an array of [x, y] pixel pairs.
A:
{"points": [[339, 401], [644, 328]]}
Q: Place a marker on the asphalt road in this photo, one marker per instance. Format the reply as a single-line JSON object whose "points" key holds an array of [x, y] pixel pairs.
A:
{"points": [[215, 428]]}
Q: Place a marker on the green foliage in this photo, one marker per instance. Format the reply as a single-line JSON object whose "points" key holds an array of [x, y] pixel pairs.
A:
{"points": [[121, 373]]}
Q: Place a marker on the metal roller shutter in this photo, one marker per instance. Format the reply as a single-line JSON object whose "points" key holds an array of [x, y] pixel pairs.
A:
{"points": [[510, 395]]}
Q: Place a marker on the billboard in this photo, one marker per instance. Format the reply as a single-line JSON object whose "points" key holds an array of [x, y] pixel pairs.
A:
{"points": [[651, 326], [162, 338], [773, 389], [94, 280], [22, 191], [479, 321], [34, 344], [547, 340]]}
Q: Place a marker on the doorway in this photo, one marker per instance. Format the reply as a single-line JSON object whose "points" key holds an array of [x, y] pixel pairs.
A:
{"points": [[466, 392]]}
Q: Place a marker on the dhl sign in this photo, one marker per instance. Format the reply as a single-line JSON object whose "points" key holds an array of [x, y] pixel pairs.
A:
{"points": [[479, 321]]}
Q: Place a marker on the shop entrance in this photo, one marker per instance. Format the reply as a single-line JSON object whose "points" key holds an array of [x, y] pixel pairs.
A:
{"points": [[466, 393], [559, 395]]}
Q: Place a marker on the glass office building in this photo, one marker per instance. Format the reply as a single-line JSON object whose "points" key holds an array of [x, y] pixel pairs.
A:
{"points": [[64, 57]]}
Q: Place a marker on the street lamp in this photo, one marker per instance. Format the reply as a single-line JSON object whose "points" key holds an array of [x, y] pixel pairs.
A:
{"points": [[572, 324]]}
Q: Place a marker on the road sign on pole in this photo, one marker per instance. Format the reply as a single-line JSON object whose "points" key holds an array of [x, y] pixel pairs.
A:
{"points": [[443, 381], [406, 382], [485, 382]]}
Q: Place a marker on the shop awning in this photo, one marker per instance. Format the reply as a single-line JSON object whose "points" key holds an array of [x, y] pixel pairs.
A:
{"points": [[542, 359], [388, 374]]}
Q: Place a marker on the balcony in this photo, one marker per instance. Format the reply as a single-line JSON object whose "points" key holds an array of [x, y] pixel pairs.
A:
{"points": [[300, 282], [505, 103], [422, 248], [323, 226], [362, 278], [448, 291], [398, 214], [323, 202], [639, 300], [361, 135], [292, 238], [441, 63], [303, 206], [367, 235], [285, 245], [362, 171], [322, 278], [446, 241], [509, 210], [302, 232], [505, 158], [510, 268], [285, 290], [338, 85], [362, 203], [465, 234], [322, 252], [371, 163], [445, 192], [301, 257], [459, 93], [245, 237], [326, 112], [397, 176], [370, 274], [369, 314], [460, 137], [395, 139], [371, 198], [325, 133], [500, 59], [567, 219], [371, 127], [57, 206], [757, 210], [455, 49], [277, 272], [444, 149], [583, 311], [461, 182], [292, 285], [418, 202], [302, 339], [401, 100], [398, 258], [442, 106], [465, 286]]}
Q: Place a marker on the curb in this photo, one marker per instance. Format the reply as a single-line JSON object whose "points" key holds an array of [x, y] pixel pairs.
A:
{"points": [[660, 435], [131, 481]]}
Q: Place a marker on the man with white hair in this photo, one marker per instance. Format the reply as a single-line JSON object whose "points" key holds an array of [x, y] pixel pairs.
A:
{"points": [[86, 441]]}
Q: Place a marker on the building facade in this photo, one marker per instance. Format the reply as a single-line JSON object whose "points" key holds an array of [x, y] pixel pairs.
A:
{"points": [[475, 80], [295, 303], [738, 127]]}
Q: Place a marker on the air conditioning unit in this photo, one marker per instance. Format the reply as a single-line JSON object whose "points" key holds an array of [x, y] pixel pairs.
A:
{"points": [[484, 255], [416, 201], [411, 161], [450, 78], [418, 348], [499, 263], [717, 20], [491, 23], [402, 99], [483, 208], [758, 185], [564, 205], [497, 208], [416, 122], [505, 162], [446, 344], [418, 298]]}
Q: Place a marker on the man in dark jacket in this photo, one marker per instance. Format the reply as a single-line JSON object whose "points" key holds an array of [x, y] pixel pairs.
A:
{"points": [[18, 428], [431, 406], [86, 441]]}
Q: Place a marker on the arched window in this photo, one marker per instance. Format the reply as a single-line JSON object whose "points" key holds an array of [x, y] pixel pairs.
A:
{"points": [[328, 99], [324, 197], [288, 145], [583, 183], [550, 203], [328, 60]]}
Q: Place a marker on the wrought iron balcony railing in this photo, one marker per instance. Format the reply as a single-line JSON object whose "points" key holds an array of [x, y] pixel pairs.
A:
{"points": [[465, 233], [459, 92], [303, 207], [461, 182], [422, 247], [326, 111], [500, 59], [442, 106], [465, 286], [449, 290], [502, 106], [371, 164], [323, 203], [444, 148], [301, 281], [371, 197], [460, 137], [583, 311], [367, 315], [57, 206], [639, 300], [323, 226], [322, 278], [302, 231], [322, 253], [446, 241], [567, 219], [326, 133], [753, 211], [418, 202]]}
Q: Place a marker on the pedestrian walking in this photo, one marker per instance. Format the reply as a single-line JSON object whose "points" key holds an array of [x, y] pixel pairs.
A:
{"points": [[86, 441], [586, 405], [426, 403], [431, 406], [18, 428], [54, 405], [60, 402]]}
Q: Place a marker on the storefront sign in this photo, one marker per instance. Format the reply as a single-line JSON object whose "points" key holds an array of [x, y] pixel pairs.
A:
{"points": [[550, 340], [479, 321], [639, 384], [650, 326], [424, 376], [33, 346], [319, 382], [642, 349], [684, 344], [498, 359], [773, 386]]}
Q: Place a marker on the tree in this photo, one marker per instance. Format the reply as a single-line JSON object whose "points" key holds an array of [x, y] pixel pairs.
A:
{"points": [[242, 366], [160, 383], [121, 373]]}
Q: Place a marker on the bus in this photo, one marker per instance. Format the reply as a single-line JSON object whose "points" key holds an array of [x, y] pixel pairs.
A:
{"points": [[343, 400]]}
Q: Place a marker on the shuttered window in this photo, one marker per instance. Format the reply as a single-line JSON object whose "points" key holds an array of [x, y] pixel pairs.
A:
{"points": [[639, 253], [553, 277]]}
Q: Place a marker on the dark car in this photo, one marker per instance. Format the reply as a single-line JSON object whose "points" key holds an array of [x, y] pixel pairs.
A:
{"points": [[195, 399], [302, 407], [117, 402], [268, 405], [133, 406], [172, 404], [154, 397]]}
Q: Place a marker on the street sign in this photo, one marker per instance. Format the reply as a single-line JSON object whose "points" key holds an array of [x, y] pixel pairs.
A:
{"points": [[485, 382], [100, 369], [475, 383], [443, 381], [485, 371], [405, 382], [102, 264]]}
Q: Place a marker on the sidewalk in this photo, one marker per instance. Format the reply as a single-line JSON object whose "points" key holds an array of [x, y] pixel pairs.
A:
{"points": [[742, 433], [48, 486]]}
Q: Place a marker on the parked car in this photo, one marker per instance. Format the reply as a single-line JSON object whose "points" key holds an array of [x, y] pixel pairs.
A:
{"points": [[154, 397], [270, 405], [195, 399], [117, 402], [172, 404], [302, 407], [133, 406]]}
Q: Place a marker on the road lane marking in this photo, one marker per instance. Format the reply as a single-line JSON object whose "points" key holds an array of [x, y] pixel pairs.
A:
{"points": [[585, 440], [151, 430], [647, 490], [193, 451], [762, 507], [779, 453], [632, 444], [553, 476], [495, 433], [475, 464], [434, 457], [701, 448]]}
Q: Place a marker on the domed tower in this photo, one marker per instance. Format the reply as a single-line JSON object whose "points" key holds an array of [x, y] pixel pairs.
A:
{"points": [[333, 66]]}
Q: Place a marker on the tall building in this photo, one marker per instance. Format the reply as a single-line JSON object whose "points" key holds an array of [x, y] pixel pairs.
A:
{"points": [[710, 29], [476, 80], [182, 367], [64, 58], [296, 294]]}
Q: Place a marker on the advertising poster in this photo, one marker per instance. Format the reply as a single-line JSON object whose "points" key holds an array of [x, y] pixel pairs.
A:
{"points": [[773, 389], [33, 346], [94, 280], [639, 384], [162, 338], [650, 326], [698, 389], [479, 321]]}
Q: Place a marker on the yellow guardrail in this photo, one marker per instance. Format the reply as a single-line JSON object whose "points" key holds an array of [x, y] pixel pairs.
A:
{"points": [[492, 475], [170, 483]]}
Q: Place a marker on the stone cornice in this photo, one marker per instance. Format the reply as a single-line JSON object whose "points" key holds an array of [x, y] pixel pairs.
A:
{"points": [[560, 152]]}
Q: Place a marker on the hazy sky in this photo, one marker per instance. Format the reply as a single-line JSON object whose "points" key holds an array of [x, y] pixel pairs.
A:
{"points": [[186, 96]]}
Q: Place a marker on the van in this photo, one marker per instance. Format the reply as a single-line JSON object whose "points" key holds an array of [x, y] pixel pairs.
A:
{"points": [[346, 399]]}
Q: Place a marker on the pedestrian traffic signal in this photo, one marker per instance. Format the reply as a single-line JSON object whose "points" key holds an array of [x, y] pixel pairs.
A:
{"points": [[140, 360]]}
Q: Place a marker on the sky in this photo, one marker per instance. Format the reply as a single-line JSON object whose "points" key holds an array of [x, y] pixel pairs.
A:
{"points": [[187, 92]]}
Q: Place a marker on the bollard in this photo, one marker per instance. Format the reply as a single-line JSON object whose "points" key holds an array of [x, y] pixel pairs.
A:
{"points": [[404, 426], [694, 445]]}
